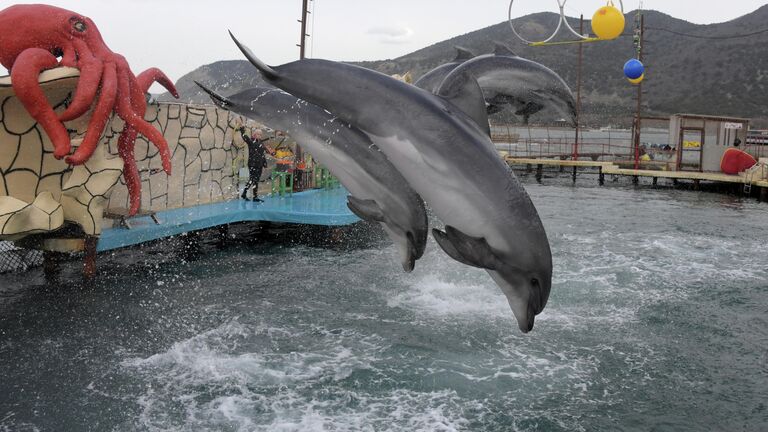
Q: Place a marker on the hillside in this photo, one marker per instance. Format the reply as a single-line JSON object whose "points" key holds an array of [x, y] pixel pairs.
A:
{"points": [[684, 74]]}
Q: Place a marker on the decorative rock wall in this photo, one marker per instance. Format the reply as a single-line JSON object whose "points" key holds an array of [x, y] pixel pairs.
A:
{"points": [[33, 184], [200, 140]]}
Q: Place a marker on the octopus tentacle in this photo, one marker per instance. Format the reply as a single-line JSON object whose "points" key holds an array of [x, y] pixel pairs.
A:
{"points": [[146, 78], [69, 56], [24, 77], [91, 69], [127, 141], [125, 146], [127, 113], [101, 114]]}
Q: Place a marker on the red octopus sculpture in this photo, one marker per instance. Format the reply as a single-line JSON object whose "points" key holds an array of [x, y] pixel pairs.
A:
{"points": [[33, 38]]}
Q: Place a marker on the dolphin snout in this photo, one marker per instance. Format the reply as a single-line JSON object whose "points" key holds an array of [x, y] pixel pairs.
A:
{"points": [[525, 321], [412, 253], [527, 324]]}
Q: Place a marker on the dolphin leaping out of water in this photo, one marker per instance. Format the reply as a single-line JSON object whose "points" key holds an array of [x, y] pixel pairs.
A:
{"points": [[490, 221], [431, 80], [379, 192], [510, 80]]}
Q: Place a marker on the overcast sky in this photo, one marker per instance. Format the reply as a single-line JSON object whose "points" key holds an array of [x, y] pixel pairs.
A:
{"points": [[180, 35]]}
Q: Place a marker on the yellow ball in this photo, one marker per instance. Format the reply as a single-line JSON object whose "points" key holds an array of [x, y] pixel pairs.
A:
{"points": [[608, 23], [637, 80]]}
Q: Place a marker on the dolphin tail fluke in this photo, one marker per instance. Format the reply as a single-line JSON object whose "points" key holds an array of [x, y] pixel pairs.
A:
{"points": [[465, 249], [265, 69], [365, 209], [217, 98]]}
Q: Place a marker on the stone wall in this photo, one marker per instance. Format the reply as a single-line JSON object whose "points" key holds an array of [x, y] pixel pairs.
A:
{"points": [[200, 141], [39, 193]]}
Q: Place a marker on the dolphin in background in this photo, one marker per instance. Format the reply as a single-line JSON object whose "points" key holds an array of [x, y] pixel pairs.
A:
{"points": [[510, 80], [431, 80], [490, 221], [378, 192]]}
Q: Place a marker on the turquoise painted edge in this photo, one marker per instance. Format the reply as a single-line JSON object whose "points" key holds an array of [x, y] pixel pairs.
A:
{"points": [[315, 207]]}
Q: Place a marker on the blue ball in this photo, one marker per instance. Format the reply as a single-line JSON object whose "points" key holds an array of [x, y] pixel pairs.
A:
{"points": [[633, 69]]}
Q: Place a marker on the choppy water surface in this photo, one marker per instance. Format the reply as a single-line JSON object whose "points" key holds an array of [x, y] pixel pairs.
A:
{"points": [[658, 320]]}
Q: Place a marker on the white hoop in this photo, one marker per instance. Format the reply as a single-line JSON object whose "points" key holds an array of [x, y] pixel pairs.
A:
{"points": [[561, 6]]}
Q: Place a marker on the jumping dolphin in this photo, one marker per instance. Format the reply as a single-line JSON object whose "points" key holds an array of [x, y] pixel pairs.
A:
{"points": [[431, 80], [490, 221], [379, 192], [507, 79]]}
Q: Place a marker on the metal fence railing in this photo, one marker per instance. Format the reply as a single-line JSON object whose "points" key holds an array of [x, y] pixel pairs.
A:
{"points": [[14, 259]]}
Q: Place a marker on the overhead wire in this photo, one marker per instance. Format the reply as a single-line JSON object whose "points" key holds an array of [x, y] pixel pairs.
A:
{"points": [[745, 35]]}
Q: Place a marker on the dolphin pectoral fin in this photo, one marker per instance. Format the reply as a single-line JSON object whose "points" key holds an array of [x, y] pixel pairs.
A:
{"points": [[442, 240], [501, 49], [365, 209], [529, 109], [465, 93], [469, 250], [493, 109]]}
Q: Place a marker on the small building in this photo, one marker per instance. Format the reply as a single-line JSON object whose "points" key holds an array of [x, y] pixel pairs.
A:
{"points": [[701, 140]]}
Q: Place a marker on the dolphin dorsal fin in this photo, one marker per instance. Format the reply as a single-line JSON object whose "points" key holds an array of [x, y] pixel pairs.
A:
{"points": [[465, 93], [501, 49], [468, 250], [366, 210], [463, 54]]}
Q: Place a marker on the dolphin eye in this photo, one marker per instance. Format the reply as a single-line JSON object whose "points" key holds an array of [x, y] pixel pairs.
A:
{"points": [[78, 25], [534, 281]]}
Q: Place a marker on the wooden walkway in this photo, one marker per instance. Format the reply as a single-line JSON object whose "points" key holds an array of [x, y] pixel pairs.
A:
{"points": [[611, 168]]}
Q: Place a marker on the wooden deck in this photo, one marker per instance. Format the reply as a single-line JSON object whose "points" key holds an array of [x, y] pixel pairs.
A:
{"points": [[612, 168]]}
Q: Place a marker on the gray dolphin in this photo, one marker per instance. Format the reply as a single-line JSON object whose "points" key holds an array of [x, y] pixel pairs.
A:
{"points": [[507, 79], [378, 192], [431, 80], [490, 220]]}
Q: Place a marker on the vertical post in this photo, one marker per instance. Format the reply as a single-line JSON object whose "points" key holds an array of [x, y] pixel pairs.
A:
{"points": [[636, 137], [89, 261], [299, 156], [303, 39], [223, 236], [578, 92]]}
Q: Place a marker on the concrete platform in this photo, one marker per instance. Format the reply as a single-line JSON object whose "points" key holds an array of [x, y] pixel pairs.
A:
{"points": [[326, 207]]}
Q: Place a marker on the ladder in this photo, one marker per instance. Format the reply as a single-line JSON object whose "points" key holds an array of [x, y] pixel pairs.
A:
{"points": [[749, 175]]}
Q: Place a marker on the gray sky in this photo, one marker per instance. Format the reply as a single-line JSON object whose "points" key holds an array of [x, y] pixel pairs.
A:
{"points": [[179, 35]]}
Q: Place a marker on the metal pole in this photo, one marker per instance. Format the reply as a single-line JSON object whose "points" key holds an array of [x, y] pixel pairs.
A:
{"points": [[578, 91], [303, 22], [299, 156], [639, 98]]}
